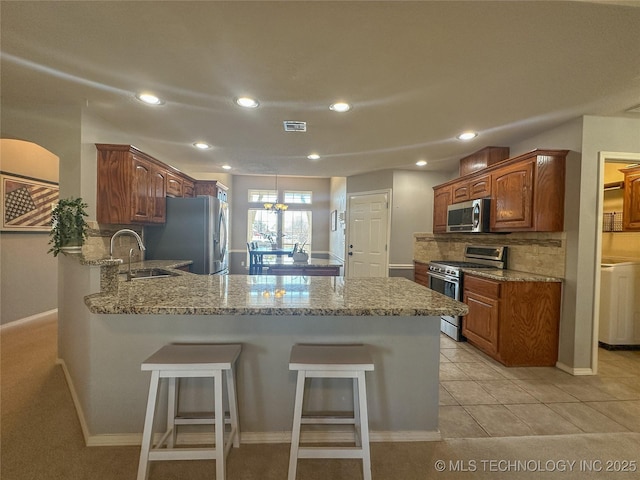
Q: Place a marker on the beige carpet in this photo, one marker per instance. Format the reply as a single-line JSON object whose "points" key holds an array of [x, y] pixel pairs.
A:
{"points": [[41, 439]]}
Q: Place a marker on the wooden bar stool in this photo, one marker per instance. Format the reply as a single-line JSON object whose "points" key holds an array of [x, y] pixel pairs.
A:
{"points": [[177, 361], [332, 361]]}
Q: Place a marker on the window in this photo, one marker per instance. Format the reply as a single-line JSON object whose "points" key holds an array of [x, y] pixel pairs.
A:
{"points": [[263, 227], [297, 197], [285, 229], [296, 228], [261, 196]]}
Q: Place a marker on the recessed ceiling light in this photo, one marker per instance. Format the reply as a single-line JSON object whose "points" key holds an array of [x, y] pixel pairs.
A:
{"points": [[313, 156], [226, 167], [202, 145], [149, 99], [421, 163], [340, 107], [247, 102], [467, 135]]}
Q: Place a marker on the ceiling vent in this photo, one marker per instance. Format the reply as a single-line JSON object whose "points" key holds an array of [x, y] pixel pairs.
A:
{"points": [[293, 126]]}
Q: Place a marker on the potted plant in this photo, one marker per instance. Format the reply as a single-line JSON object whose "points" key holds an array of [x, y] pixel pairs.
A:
{"points": [[68, 226], [300, 255]]}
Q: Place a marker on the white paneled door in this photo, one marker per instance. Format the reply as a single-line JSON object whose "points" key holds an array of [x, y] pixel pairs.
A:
{"points": [[367, 235]]}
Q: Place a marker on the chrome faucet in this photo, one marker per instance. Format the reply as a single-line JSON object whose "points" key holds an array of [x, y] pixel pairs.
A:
{"points": [[126, 231]]}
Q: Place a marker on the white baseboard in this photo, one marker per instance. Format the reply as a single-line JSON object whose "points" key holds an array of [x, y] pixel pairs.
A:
{"points": [[134, 439], [574, 371], [76, 403], [48, 315]]}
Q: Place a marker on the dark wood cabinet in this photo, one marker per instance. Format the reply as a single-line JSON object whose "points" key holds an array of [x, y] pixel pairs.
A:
{"points": [[188, 189], [631, 202], [482, 159], [480, 187], [421, 273], [527, 193], [174, 185], [460, 192], [512, 208], [131, 187], [441, 200], [212, 188], [480, 326], [516, 323]]}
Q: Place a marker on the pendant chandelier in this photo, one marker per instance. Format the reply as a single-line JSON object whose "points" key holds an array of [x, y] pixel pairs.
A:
{"points": [[276, 207]]}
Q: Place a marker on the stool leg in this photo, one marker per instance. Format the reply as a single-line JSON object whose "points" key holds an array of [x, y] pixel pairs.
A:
{"points": [[219, 425], [143, 465], [364, 427], [233, 407], [172, 410], [356, 413], [295, 432]]}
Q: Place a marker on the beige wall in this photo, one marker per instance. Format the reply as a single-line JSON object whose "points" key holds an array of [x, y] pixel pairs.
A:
{"points": [[338, 202], [29, 275]]}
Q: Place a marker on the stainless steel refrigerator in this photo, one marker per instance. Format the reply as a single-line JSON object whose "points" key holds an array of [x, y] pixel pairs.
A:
{"points": [[196, 229]]}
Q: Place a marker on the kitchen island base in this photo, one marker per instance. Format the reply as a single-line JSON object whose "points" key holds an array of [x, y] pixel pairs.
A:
{"points": [[110, 390]]}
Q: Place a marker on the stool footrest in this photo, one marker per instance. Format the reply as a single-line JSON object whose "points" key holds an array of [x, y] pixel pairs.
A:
{"points": [[333, 452], [199, 419], [328, 420], [182, 454]]}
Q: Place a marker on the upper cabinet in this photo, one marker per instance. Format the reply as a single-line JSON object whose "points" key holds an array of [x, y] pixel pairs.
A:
{"points": [[512, 208], [482, 159], [212, 188], [527, 193], [133, 186], [631, 205], [441, 200]]}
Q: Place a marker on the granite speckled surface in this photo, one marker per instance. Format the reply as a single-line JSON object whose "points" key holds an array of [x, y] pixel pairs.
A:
{"points": [[274, 295], [509, 275]]}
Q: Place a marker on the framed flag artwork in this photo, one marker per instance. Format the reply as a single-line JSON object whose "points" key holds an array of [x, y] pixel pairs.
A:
{"points": [[26, 203]]}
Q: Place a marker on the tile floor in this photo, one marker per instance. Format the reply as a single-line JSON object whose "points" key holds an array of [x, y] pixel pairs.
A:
{"points": [[480, 397]]}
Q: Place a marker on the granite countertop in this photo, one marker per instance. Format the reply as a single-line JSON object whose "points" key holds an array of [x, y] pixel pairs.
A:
{"points": [[164, 264], [509, 275], [274, 295]]}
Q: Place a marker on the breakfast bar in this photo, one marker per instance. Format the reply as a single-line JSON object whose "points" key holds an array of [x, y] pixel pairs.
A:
{"points": [[397, 319]]}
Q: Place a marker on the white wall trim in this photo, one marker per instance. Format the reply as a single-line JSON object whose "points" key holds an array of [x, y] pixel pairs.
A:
{"points": [[135, 439], [575, 371], [76, 403], [43, 316], [401, 266]]}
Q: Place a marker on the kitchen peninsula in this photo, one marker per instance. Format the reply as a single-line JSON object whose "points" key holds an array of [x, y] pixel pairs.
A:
{"points": [[104, 341]]}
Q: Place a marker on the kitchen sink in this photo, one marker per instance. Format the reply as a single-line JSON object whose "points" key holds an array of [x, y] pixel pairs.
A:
{"points": [[147, 273]]}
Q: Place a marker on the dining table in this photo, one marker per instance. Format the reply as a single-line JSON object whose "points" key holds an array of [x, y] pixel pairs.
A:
{"points": [[256, 257]]}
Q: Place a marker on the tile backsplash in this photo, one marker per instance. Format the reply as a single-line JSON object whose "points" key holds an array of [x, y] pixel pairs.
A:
{"points": [[99, 238], [541, 253]]}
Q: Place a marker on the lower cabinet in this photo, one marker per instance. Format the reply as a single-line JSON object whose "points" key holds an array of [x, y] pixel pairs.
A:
{"points": [[421, 273], [514, 322]]}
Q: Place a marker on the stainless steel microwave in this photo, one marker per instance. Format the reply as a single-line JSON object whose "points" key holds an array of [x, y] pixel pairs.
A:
{"points": [[471, 216]]}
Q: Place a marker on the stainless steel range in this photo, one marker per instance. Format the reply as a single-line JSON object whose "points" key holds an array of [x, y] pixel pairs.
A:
{"points": [[446, 277]]}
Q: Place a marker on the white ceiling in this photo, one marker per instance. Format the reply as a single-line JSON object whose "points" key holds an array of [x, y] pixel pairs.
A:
{"points": [[417, 73]]}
